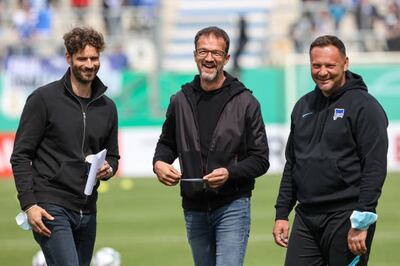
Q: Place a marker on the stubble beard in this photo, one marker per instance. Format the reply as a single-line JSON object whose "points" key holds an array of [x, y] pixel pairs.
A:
{"points": [[209, 77], [81, 77]]}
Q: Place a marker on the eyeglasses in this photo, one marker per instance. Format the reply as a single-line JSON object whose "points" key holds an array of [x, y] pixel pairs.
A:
{"points": [[202, 53]]}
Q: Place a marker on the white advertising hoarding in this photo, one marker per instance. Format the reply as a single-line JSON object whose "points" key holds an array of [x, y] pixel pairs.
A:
{"points": [[137, 147]]}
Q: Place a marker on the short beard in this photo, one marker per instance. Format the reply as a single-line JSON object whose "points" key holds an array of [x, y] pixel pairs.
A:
{"points": [[209, 77], [80, 78]]}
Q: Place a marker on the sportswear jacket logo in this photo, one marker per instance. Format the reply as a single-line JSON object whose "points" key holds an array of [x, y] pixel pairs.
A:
{"points": [[306, 114], [339, 113]]}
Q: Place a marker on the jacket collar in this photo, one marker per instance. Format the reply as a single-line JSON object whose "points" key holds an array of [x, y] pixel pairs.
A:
{"points": [[231, 84]]}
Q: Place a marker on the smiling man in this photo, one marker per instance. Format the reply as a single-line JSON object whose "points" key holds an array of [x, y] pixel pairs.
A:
{"points": [[61, 125], [335, 168], [214, 126]]}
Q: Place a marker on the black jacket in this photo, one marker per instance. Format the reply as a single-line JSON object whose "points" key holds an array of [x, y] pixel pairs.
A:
{"points": [[54, 136], [336, 153], [239, 143]]}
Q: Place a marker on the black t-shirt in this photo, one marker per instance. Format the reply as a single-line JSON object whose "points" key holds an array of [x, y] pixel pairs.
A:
{"points": [[209, 107], [84, 101]]}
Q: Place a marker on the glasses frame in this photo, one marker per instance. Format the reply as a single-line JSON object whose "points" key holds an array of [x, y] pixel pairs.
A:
{"points": [[216, 54]]}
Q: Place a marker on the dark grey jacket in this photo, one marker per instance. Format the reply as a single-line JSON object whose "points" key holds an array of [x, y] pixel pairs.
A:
{"points": [[239, 143]]}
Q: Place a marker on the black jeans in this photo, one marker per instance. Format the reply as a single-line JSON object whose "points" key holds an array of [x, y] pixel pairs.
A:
{"points": [[321, 239], [72, 237]]}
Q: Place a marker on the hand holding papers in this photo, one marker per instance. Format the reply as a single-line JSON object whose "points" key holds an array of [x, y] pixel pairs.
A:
{"points": [[96, 161]]}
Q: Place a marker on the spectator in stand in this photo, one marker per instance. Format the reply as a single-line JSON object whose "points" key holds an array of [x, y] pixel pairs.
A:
{"points": [[112, 10], [301, 32], [242, 40], [2, 7], [323, 22], [392, 25], [145, 17], [24, 21], [38, 4], [80, 7], [337, 10], [142, 2], [44, 19], [366, 14], [118, 58]]}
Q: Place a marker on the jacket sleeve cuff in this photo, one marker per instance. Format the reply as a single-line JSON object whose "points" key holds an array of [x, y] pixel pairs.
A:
{"points": [[282, 214], [26, 200], [234, 173]]}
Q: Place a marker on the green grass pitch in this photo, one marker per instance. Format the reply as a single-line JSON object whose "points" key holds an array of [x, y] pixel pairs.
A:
{"points": [[143, 220]]}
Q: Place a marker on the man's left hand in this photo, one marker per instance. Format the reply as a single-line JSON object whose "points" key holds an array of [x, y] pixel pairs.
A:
{"points": [[217, 177], [356, 241], [105, 171]]}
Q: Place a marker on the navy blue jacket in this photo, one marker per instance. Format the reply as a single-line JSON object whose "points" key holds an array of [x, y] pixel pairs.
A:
{"points": [[336, 155]]}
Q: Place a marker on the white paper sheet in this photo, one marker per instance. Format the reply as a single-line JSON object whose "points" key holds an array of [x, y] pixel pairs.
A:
{"points": [[97, 161]]}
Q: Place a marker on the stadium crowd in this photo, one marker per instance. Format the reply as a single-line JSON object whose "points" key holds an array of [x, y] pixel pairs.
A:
{"points": [[33, 26]]}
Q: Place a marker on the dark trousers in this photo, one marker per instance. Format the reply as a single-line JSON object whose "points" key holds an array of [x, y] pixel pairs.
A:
{"points": [[321, 239], [72, 237]]}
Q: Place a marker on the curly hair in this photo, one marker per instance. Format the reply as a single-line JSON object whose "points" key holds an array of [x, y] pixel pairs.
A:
{"points": [[78, 38]]}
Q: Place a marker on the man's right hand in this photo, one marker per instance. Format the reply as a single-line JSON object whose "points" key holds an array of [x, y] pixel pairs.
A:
{"points": [[166, 173], [281, 233], [35, 218]]}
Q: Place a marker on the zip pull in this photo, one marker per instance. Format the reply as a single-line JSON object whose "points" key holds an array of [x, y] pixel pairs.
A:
{"points": [[84, 133]]}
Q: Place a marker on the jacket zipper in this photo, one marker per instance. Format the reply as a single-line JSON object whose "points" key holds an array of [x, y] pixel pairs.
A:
{"points": [[83, 116], [198, 132], [212, 143], [83, 137], [84, 132]]}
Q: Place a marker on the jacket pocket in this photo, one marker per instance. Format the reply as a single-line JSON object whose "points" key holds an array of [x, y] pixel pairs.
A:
{"points": [[71, 177], [318, 180]]}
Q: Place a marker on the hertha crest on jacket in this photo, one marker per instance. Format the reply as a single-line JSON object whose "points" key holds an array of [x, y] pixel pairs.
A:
{"points": [[339, 113]]}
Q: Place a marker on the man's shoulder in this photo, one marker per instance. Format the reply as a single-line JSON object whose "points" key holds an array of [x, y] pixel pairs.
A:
{"points": [[308, 98], [245, 93], [178, 96], [109, 101], [51, 87], [49, 90], [360, 99]]}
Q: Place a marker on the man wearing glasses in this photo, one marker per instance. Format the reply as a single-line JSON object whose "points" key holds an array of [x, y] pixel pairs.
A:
{"points": [[214, 126]]}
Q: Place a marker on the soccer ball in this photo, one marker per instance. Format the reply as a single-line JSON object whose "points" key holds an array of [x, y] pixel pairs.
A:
{"points": [[107, 257], [38, 259]]}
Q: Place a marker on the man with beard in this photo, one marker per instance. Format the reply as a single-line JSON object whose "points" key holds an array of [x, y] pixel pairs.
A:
{"points": [[61, 125], [214, 126]]}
